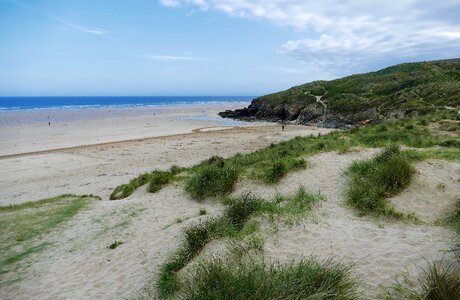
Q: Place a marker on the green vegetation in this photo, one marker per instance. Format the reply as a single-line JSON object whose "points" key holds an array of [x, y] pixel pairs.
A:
{"points": [[211, 179], [22, 224], [232, 224], [156, 180], [452, 220], [437, 282], [217, 176], [413, 88], [307, 279], [124, 190], [115, 244], [371, 181]]}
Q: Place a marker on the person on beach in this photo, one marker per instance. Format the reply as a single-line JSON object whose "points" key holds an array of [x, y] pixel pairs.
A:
{"points": [[282, 127]]}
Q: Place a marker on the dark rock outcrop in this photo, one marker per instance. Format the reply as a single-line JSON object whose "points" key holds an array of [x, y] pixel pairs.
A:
{"points": [[316, 113]]}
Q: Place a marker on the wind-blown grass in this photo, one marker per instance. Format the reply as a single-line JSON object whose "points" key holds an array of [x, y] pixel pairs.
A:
{"points": [[374, 180], [307, 279], [125, 190], [156, 180], [21, 224], [452, 220], [438, 281], [212, 180], [231, 224]]}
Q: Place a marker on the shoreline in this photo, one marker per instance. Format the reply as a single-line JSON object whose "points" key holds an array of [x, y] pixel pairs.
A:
{"points": [[30, 132]]}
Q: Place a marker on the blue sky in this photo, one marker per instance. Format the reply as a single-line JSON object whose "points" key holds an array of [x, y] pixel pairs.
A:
{"points": [[211, 47]]}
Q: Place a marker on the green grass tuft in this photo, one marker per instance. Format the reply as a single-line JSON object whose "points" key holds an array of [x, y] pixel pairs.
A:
{"points": [[438, 281], [452, 220], [115, 244], [125, 190], [307, 279], [212, 180], [158, 179], [372, 181]]}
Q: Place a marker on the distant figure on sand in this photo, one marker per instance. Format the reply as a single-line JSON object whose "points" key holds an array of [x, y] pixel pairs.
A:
{"points": [[282, 127]]}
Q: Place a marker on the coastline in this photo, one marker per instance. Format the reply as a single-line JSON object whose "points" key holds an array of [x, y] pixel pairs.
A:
{"points": [[28, 131]]}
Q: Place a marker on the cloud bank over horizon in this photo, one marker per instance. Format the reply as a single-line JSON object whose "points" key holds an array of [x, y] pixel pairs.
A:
{"points": [[350, 32]]}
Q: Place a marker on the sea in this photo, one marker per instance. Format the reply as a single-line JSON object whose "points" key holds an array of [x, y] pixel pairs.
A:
{"points": [[28, 103]]}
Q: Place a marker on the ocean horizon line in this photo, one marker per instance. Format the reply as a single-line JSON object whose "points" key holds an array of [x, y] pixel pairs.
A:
{"points": [[81, 102]]}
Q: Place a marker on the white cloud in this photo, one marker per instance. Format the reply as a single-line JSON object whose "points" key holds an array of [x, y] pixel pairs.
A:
{"points": [[81, 28], [352, 32]]}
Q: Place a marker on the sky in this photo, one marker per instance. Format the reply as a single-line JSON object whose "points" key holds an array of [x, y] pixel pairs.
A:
{"points": [[211, 47]]}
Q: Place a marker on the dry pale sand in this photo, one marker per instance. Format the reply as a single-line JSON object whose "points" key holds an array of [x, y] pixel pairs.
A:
{"points": [[78, 264]]}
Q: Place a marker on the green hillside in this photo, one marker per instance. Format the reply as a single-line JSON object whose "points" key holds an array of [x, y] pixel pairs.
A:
{"points": [[410, 88]]}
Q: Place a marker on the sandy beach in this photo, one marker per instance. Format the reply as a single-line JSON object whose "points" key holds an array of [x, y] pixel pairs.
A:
{"points": [[96, 154]]}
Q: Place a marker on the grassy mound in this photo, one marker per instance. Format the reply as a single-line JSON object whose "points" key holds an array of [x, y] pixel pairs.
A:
{"points": [[374, 180], [307, 279]]}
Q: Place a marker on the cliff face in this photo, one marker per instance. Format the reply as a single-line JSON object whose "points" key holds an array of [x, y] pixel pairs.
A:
{"points": [[395, 92]]}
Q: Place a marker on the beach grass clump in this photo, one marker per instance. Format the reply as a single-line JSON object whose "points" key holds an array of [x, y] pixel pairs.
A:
{"points": [[211, 180], [198, 235], [274, 171], [125, 190], [158, 179], [452, 220], [306, 279], [22, 224], [438, 281], [233, 223], [374, 180]]}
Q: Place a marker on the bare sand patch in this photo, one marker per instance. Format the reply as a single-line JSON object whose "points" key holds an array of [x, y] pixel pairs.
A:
{"points": [[433, 191]]}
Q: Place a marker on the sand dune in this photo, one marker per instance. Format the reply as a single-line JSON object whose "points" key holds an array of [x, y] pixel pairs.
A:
{"points": [[78, 264]]}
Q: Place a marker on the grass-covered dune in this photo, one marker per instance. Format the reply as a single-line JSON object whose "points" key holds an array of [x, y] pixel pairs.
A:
{"points": [[23, 226], [399, 91]]}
